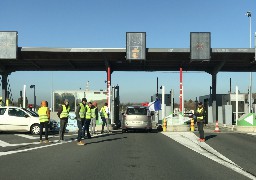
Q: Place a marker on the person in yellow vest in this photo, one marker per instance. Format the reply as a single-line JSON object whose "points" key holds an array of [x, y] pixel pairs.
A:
{"points": [[87, 122], [80, 117], [200, 121], [104, 113], [63, 115], [95, 116], [44, 117]]}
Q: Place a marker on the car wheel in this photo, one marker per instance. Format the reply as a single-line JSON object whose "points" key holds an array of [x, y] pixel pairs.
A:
{"points": [[35, 129]]}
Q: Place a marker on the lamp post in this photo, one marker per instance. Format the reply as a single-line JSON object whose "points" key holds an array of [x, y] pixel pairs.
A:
{"points": [[34, 86], [249, 15]]}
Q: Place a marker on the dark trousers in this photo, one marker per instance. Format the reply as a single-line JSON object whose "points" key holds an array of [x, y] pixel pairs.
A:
{"points": [[80, 129], [63, 124], [104, 123], [44, 125], [200, 125], [87, 123]]}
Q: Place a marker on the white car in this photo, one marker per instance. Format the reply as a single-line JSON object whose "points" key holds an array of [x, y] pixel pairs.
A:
{"points": [[19, 120]]}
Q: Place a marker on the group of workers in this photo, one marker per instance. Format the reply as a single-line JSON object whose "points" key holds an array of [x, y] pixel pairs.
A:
{"points": [[87, 113], [86, 116]]}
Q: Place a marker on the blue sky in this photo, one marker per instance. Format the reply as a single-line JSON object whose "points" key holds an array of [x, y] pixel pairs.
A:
{"points": [[103, 24]]}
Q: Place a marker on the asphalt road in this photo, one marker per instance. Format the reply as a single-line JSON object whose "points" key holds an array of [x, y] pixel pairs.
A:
{"points": [[127, 156]]}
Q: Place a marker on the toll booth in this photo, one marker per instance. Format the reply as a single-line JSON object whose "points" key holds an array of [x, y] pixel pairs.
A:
{"points": [[226, 107], [115, 108]]}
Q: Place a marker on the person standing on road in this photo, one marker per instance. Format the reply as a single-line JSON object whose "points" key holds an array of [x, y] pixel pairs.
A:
{"points": [[87, 122], [200, 121], [104, 113], [63, 115], [95, 116], [80, 117], [44, 117]]}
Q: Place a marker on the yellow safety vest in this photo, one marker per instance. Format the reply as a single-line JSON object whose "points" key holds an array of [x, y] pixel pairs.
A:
{"points": [[88, 113], [43, 116], [64, 112], [200, 111], [103, 112], [93, 112], [82, 110]]}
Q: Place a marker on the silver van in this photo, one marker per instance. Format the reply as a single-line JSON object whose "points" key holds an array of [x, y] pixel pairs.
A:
{"points": [[136, 117]]}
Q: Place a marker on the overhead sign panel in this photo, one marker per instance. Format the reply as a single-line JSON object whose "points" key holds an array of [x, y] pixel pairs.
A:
{"points": [[136, 46], [200, 46], [8, 45]]}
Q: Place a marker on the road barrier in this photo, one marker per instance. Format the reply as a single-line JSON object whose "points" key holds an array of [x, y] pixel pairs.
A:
{"points": [[164, 125], [192, 125]]}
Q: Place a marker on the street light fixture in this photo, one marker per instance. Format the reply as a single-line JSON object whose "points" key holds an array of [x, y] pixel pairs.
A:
{"points": [[249, 15], [34, 86]]}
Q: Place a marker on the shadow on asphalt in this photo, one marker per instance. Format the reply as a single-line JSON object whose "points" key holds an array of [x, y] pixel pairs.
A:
{"points": [[105, 140], [209, 137]]}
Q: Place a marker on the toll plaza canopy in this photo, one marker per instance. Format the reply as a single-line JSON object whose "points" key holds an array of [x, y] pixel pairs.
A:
{"points": [[98, 59]]}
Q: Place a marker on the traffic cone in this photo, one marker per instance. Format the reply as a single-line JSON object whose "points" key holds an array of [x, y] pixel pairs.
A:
{"points": [[217, 129]]}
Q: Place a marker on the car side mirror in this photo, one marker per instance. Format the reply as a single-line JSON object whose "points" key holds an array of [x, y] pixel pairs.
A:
{"points": [[26, 115]]}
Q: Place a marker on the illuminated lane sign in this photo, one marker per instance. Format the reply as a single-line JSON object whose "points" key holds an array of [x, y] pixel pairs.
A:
{"points": [[200, 46], [136, 46]]}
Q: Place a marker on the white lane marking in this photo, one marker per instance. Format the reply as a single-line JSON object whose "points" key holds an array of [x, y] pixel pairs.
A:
{"points": [[30, 149], [33, 137], [4, 144], [26, 136], [254, 134], [190, 140]]}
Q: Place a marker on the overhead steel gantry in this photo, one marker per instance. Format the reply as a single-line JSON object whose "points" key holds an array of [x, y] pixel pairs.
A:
{"points": [[114, 59]]}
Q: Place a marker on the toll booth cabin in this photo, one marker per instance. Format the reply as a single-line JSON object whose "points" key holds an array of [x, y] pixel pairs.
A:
{"points": [[168, 107], [226, 107]]}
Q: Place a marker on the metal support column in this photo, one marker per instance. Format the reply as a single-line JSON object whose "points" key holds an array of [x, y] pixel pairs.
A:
{"points": [[214, 97], [4, 88]]}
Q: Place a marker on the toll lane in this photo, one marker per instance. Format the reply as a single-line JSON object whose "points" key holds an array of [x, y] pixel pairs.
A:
{"points": [[120, 156]]}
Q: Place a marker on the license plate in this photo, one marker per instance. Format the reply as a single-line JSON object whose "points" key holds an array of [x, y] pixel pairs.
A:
{"points": [[136, 122]]}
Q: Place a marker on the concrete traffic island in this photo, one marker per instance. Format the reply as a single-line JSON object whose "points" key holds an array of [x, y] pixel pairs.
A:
{"points": [[246, 123], [178, 128], [177, 123]]}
